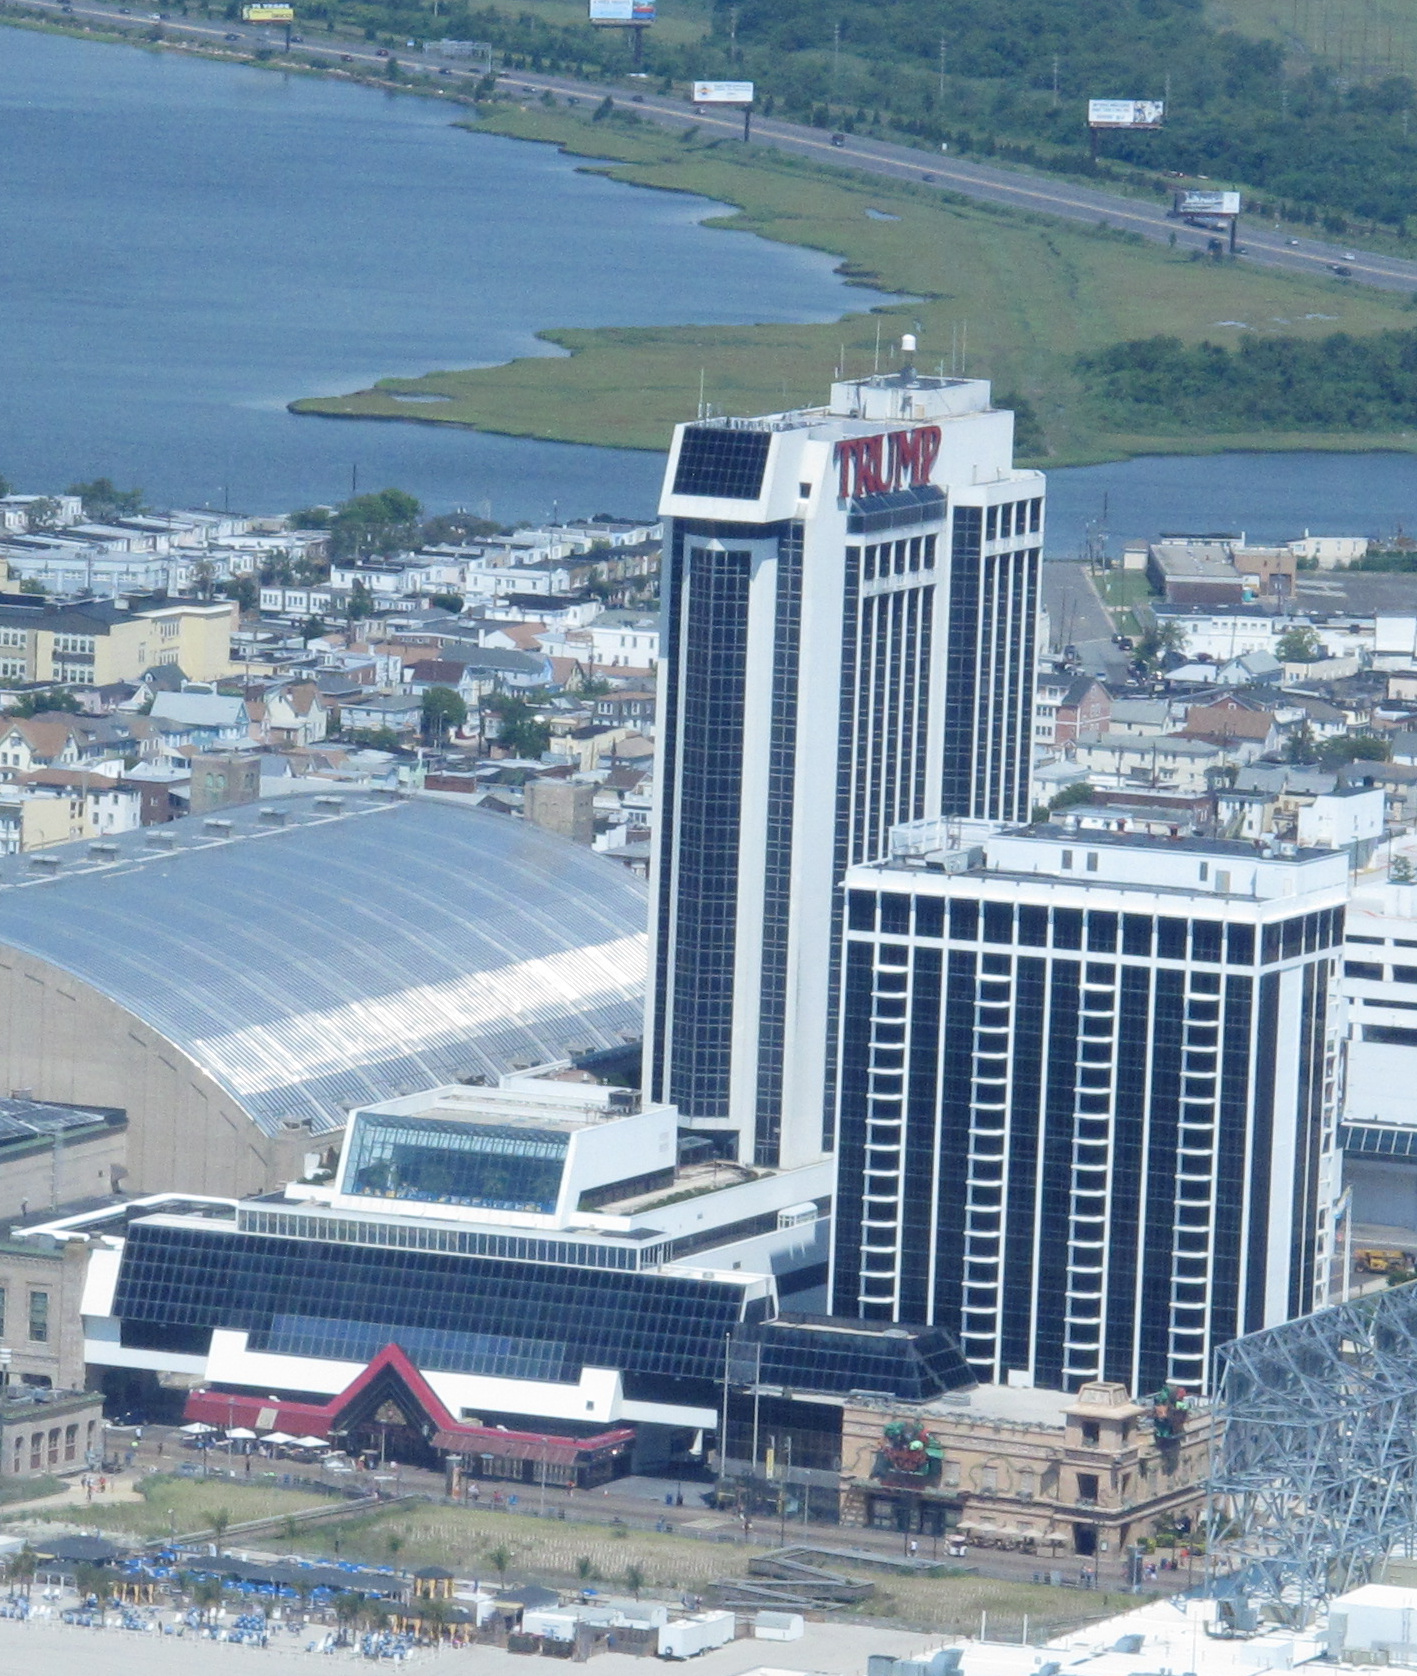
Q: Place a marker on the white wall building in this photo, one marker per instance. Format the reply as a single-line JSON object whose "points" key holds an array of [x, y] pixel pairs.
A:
{"points": [[850, 605]]}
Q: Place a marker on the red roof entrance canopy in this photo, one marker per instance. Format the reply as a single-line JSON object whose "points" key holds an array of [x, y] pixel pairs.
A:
{"points": [[392, 1368]]}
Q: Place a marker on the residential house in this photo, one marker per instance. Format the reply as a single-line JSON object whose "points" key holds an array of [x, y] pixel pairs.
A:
{"points": [[1140, 718], [207, 717], [398, 712], [1170, 763], [99, 805], [1242, 725], [291, 715]]}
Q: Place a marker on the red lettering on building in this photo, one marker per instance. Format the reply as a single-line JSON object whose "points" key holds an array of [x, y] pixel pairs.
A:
{"points": [[875, 465]]}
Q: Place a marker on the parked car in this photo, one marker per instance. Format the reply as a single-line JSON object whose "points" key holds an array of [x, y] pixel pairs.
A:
{"points": [[838, 139]]}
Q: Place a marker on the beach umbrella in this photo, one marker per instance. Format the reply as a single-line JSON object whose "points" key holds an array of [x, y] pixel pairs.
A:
{"points": [[312, 1443], [196, 1428], [278, 1437], [240, 1434]]}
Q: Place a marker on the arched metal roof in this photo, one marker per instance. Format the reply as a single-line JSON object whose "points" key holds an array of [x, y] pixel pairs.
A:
{"points": [[332, 951]]}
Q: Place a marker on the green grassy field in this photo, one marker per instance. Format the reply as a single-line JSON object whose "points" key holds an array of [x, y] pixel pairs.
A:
{"points": [[1027, 294], [1366, 39], [463, 1539], [189, 1504]]}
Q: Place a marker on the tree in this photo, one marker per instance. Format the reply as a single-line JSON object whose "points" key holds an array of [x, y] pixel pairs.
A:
{"points": [[500, 1559], [443, 712], [1159, 641], [312, 628], [22, 1567], [49, 702], [28, 585], [42, 514], [518, 729], [361, 602], [393, 1541], [435, 1617], [585, 1568], [1299, 645], [220, 1520], [1301, 746], [309, 518], [447, 602], [104, 500], [458, 527], [245, 590], [634, 1580], [349, 1603], [386, 522], [207, 1595], [1361, 746], [1071, 797], [4, 487]]}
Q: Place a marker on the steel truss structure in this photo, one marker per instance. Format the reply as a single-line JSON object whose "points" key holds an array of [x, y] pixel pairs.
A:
{"points": [[1314, 1476]]}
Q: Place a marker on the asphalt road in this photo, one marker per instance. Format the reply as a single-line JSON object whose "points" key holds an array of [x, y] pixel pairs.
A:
{"points": [[987, 183]]}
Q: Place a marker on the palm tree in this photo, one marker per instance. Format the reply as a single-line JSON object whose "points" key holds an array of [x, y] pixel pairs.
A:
{"points": [[22, 1568], [207, 1594], [349, 1603], [500, 1559], [220, 1520], [585, 1568], [634, 1580], [435, 1616], [395, 1542]]}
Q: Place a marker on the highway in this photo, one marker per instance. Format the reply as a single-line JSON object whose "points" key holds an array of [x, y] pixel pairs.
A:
{"points": [[984, 182]]}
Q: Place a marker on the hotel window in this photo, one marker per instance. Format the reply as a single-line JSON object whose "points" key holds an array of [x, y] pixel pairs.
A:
{"points": [[39, 1318], [71, 1442]]}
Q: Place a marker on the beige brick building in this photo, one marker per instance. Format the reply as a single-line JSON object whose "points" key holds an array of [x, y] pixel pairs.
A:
{"points": [[1042, 1471], [101, 641]]}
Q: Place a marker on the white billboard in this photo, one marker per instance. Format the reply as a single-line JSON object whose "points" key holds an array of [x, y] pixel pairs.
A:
{"points": [[723, 93], [1126, 113], [1208, 203], [622, 11]]}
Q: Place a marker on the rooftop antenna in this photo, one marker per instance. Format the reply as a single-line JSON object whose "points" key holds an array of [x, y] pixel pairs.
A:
{"points": [[964, 349]]}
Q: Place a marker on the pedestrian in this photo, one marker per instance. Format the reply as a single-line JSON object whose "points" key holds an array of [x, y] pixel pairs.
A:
{"points": [[914, 1547], [159, 1448], [103, 1486]]}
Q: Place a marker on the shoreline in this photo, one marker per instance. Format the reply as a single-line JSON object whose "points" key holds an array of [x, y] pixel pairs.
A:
{"points": [[602, 367]]}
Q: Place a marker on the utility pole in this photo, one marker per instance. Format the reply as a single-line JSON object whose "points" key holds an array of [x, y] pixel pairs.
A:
{"points": [[1055, 81], [836, 55], [942, 71]]}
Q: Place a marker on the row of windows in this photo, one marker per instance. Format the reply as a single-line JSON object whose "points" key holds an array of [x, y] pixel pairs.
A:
{"points": [[406, 1237], [897, 914], [36, 1315], [1375, 972], [894, 558], [206, 1278], [1019, 517], [44, 1448]]}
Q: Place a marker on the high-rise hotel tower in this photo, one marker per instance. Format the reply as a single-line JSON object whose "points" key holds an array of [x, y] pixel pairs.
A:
{"points": [[850, 596]]}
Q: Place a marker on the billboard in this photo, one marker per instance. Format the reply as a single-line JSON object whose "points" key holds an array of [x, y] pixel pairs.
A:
{"points": [[723, 93], [622, 11], [1126, 113], [1207, 203], [270, 13]]}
